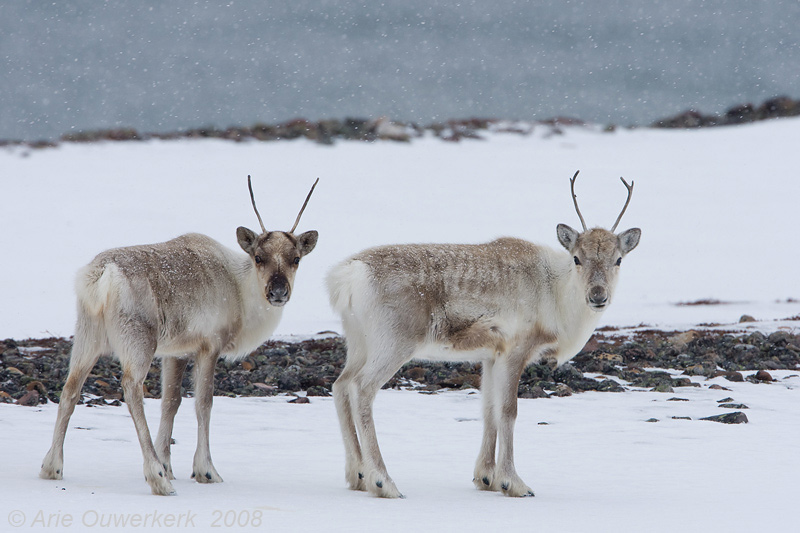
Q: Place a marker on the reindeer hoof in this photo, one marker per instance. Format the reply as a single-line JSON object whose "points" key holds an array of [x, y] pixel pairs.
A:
{"points": [[516, 489]]}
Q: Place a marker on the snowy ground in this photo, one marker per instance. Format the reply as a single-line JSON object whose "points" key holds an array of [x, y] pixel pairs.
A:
{"points": [[717, 209], [718, 213], [596, 466]]}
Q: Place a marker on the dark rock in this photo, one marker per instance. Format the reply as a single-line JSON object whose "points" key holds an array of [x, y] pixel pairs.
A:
{"points": [[652, 420], [563, 390], [29, 399], [733, 406], [734, 376], [289, 380], [609, 385], [313, 365], [763, 375], [300, 399], [736, 417], [746, 318], [533, 392]]}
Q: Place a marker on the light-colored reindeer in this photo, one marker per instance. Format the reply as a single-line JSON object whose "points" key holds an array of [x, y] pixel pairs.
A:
{"points": [[506, 303], [190, 296]]}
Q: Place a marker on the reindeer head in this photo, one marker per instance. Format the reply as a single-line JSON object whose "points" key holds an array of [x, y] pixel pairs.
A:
{"points": [[597, 253], [276, 254]]}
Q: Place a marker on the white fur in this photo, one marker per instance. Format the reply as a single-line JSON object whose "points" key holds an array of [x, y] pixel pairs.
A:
{"points": [[399, 303], [161, 300]]}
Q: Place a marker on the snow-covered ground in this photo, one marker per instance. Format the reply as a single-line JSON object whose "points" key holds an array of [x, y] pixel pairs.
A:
{"points": [[718, 214], [717, 208], [596, 466]]}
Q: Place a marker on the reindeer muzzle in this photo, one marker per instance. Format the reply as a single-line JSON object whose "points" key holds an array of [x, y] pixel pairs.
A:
{"points": [[597, 298], [278, 290]]}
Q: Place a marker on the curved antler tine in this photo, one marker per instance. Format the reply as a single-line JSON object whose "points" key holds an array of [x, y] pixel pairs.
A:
{"points": [[575, 198], [253, 199], [297, 221], [630, 193]]}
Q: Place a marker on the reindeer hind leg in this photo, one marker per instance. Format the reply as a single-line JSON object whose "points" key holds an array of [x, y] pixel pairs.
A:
{"points": [[90, 342], [136, 344], [381, 365], [343, 394]]}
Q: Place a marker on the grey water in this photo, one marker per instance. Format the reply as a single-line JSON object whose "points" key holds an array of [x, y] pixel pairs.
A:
{"points": [[159, 66]]}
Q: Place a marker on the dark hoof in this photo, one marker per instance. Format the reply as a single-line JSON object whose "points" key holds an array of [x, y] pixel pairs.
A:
{"points": [[504, 486], [360, 475], [486, 481], [208, 476], [379, 484], [192, 475]]}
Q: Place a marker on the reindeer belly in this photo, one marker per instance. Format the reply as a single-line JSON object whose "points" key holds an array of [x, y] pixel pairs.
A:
{"points": [[447, 353]]}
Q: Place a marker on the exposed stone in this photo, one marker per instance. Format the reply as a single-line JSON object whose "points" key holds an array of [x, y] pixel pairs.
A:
{"points": [[733, 376], [534, 392], [29, 399], [733, 406], [736, 417]]}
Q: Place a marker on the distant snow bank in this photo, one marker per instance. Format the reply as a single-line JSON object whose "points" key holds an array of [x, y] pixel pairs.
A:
{"points": [[716, 207]]}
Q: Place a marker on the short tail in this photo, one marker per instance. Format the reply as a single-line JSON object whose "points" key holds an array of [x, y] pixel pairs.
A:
{"points": [[347, 282], [95, 285]]}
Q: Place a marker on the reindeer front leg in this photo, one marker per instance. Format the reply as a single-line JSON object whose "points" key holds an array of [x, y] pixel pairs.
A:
{"points": [[484, 476], [203, 470], [507, 371], [172, 370]]}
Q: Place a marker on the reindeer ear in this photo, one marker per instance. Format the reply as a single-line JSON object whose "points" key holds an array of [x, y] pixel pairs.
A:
{"points": [[246, 238], [628, 240], [307, 241], [567, 236]]}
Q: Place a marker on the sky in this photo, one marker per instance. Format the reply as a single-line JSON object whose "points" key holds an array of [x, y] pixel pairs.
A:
{"points": [[153, 66]]}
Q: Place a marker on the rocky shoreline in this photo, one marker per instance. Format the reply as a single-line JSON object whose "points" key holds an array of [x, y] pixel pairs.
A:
{"points": [[33, 371], [363, 129]]}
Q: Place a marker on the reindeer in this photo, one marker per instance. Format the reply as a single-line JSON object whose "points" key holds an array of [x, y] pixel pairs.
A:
{"points": [[190, 296], [506, 303]]}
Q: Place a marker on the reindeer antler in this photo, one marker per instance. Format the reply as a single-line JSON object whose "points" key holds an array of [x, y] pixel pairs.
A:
{"points": [[630, 193], [253, 199], [297, 221], [575, 198]]}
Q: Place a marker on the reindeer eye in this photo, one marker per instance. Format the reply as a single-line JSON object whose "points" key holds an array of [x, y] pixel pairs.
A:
{"points": [[577, 261], [619, 261], [296, 260], [258, 260]]}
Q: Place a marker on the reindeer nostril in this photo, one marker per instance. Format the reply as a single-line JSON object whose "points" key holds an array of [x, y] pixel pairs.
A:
{"points": [[598, 296]]}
